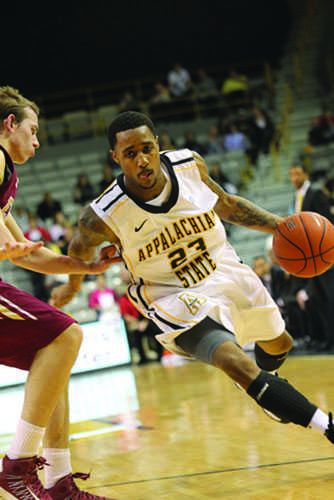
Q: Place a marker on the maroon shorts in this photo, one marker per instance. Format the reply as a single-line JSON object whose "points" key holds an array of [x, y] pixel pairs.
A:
{"points": [[26, 325]]}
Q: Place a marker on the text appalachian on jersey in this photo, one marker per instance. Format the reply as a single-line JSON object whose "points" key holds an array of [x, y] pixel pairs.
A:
{"points": [[193, 256]]}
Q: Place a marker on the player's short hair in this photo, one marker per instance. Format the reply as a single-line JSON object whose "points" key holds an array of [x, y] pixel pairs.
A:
{"points": [[12, 102], [127, 121]]}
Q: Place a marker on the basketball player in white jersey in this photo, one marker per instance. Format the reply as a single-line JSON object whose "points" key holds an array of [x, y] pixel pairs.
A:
{"points": [[163, 214]]}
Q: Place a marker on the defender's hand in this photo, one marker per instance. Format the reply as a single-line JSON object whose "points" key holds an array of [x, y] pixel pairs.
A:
{"points": [[16, 249]]}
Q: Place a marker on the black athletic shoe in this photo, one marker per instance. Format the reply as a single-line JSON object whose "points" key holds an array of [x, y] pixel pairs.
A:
{"points": [[329, 432]]}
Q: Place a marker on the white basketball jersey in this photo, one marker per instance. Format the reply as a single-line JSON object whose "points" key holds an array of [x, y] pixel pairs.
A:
{"points": [[180, 262], [173, 244]]}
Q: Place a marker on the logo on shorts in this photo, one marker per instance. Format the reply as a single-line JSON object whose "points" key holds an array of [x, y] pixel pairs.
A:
{"points": [[192, 302]]}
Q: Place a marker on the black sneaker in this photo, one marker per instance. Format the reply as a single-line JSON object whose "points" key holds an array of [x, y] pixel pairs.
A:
{"points": [[329, 432]]}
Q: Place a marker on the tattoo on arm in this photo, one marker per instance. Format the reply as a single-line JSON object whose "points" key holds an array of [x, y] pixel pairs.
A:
{"points": [[249, 215]]}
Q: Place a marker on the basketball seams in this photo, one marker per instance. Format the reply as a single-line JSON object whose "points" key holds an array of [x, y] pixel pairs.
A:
{"points": [[296, 246], [309, 242], [321, 240]]}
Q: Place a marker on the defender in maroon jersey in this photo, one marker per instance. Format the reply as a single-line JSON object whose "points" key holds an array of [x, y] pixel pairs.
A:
{"points": [[35, 336]]}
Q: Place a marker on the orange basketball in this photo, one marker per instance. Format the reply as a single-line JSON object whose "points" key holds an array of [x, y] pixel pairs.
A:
{"points": [[304, 244]]}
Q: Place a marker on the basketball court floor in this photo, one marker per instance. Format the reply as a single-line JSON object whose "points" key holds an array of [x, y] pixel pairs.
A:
{"points": [[186, 432]]}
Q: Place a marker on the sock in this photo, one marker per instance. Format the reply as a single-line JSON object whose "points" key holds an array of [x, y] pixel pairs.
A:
{"points": [[27, 440], [60, 465], [319, 421], [280, 398]]}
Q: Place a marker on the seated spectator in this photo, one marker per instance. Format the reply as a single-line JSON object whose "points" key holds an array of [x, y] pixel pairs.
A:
{"points": [[235, 88], [214, 143], [83, 191], [107, 179], [103, 299], [129, 103], [64, 240], [321, 131], [161, 94], [329, 191], [223, 125], [193, 144], [244, 122], [138, 327], [58, 227], [21, 217], [166, 143], [205, 85], [217, 174], [264, 129], [235, 140], [179, 81], [48, 207], [36, 231]]}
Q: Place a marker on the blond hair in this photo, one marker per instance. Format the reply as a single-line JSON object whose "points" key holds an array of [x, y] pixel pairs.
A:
{"points": [[12, 102]]}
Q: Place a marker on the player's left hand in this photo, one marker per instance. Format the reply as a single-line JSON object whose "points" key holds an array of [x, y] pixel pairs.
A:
{"points": [[107, 257]]}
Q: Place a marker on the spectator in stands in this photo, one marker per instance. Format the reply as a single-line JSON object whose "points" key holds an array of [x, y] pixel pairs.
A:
{"points": [[161, 94], [179, 81], [129, 103], [107, 178], [37, 232], [166, 143], [235, 89], [243, 122], [193, 144], [84, 190], [214, 143], [64, 240], [261, 133], [223, 125], [22, 217], [103, 298], [329, 192], [264, 129], [48, 207], [205, 85], [322, 128], [218, 175], [316, 134], [58, 227], [284, 288], [137, 326], [235, 140]]}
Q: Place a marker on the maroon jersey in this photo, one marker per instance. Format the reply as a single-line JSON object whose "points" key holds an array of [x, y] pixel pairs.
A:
{"points": [[8, 188], [26, 324]]}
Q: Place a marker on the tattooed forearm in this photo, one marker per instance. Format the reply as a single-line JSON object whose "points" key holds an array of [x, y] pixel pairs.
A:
{"points": [[244, 213], [249, 215], [235, 209]]}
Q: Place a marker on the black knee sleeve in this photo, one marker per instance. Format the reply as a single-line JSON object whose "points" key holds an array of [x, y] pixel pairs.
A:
{"points": [[268, 362], [280, 398]]}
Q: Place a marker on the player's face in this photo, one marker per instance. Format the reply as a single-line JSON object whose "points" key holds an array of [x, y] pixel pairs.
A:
{"points": [[137, 152], [297, 176], [23, 140]]}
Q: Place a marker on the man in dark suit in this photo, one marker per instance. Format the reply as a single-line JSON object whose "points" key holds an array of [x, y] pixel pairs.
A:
{"points": [[314, 297], [283, 288]]}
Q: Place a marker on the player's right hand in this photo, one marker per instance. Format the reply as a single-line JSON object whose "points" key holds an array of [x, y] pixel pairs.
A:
{"points": [[61, 295], [16, 249]]}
